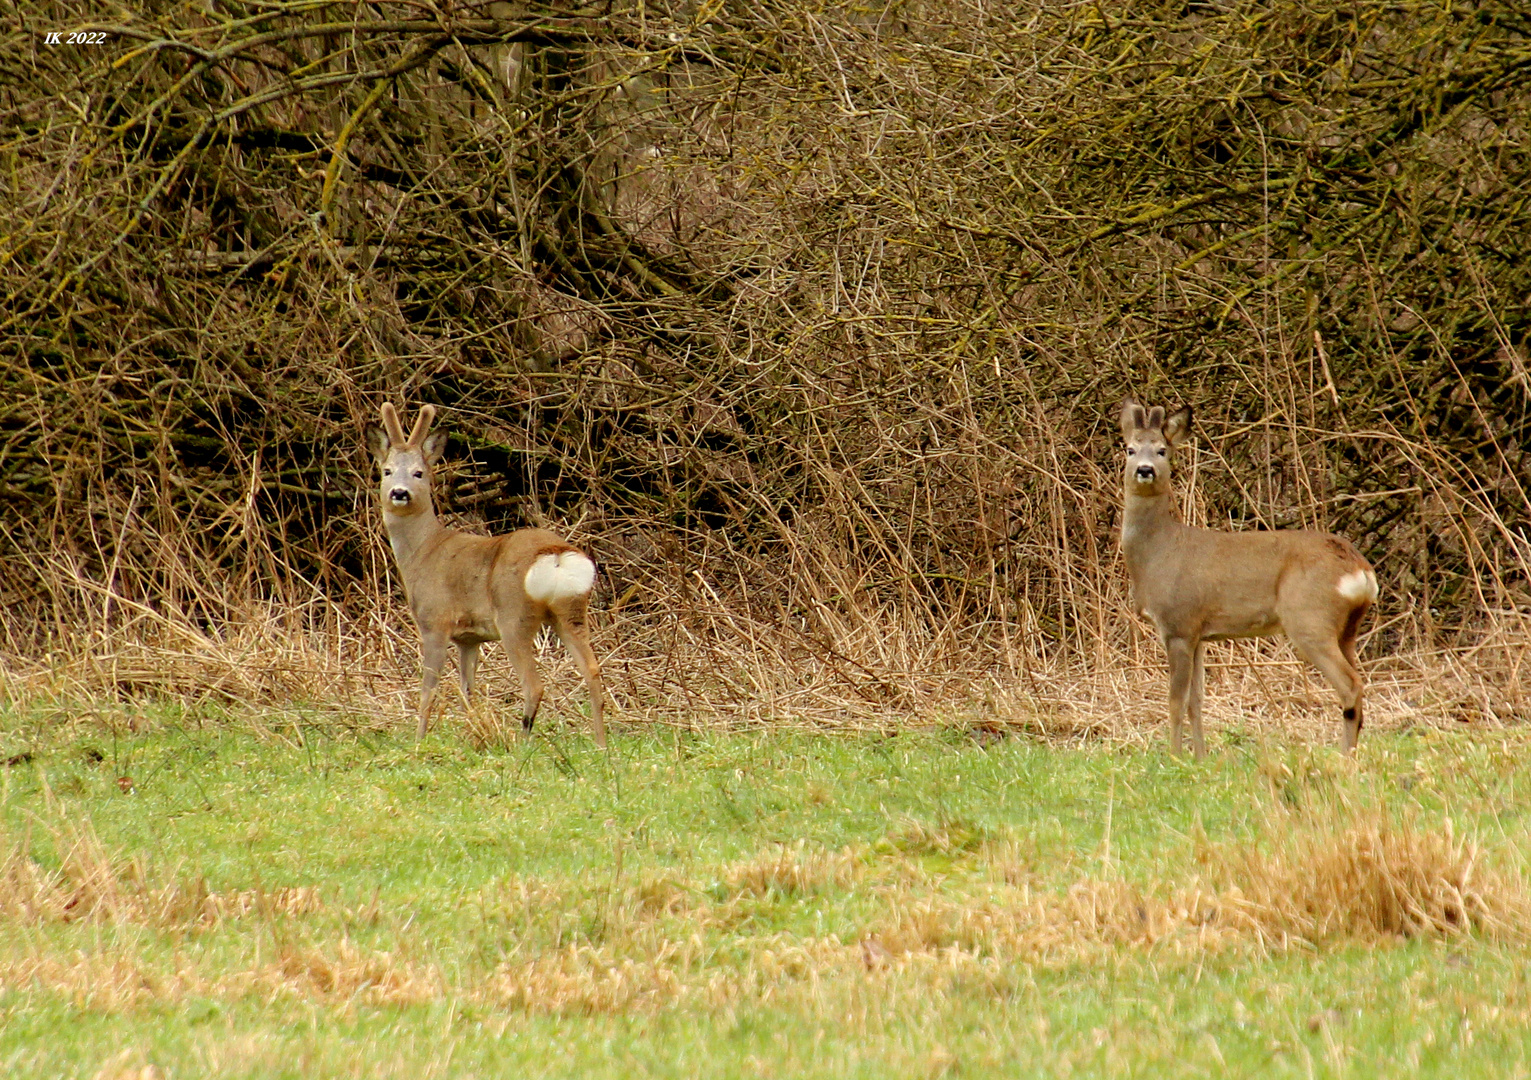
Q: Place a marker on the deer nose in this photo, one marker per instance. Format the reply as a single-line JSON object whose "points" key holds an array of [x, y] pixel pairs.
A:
{"points": [[399, 495], [1145, 473]]}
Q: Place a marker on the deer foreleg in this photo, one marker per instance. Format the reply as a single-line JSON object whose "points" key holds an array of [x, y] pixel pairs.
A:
{"points": [[1181, 655], [467, 668], [433, 654], [1194, 696]]}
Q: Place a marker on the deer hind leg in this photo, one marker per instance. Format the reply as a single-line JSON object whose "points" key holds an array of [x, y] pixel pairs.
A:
{"points": [[520, 641], [572, 623], [1181, 654], [433, 654], [1335, 657], [1348, 650]]}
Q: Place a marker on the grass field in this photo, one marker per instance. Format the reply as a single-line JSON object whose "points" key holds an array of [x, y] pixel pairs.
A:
{"points": [[290, 895]]}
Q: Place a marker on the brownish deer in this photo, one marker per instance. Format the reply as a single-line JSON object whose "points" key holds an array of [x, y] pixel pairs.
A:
{"points": [[467, 589], [1200, 585]]}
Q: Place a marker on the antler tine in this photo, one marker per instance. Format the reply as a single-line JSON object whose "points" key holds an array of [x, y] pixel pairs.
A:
{"points": [[1133, 417], [422, 424], [391, 425]]}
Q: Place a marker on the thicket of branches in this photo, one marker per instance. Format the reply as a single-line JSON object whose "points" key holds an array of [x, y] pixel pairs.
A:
{"points": [[812, 315]]}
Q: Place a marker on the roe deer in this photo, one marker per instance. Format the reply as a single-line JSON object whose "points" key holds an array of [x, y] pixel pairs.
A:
{"points": [[468, 589], [1200, 585]]}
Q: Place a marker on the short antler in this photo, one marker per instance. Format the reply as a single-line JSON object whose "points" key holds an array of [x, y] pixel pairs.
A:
{"points": [[1134, 418], [392, 426], [422, 424], [396, 430]]}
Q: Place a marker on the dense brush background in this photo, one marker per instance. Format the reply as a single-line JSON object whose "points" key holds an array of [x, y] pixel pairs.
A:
{"points": [[809, 320]]}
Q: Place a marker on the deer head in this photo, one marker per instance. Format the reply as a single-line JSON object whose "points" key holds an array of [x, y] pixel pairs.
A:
{"points": [[1150, 439], [406, 464]]}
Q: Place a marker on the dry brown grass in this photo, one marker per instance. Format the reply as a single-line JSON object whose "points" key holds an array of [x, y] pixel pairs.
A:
{"points": [[91, 884], [1366, 884], [1370, 882], [364, 674], [668, 941], [349, 973], [795, 870]]}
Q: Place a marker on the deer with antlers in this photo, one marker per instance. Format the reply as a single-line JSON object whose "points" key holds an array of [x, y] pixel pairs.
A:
{"points": [[466, 589], [1200, 585]]}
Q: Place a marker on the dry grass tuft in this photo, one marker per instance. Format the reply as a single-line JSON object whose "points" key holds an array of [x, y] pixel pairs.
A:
{"points": [[348, 972], [587, 980], [1043, 927], [946, 837], [661, 894], [91, 884], [271, 654], [795, 870], [1370, 882], [98, 982], [127, 1065]]}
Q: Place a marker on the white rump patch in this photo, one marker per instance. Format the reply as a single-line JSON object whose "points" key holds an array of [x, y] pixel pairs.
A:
{"points": [[559, 576], [1358, 585]]}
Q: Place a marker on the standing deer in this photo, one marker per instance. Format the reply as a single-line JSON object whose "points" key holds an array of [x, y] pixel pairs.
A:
{"points": [[468, 589], [1199, 585]]}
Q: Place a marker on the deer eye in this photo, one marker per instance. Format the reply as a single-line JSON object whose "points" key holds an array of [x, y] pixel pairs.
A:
{"points": [[387, 472], [1161, 451], [418, 474]]}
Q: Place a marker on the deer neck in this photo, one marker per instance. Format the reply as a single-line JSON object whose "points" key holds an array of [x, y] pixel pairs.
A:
{"points": [[408, 534], [1147, 522]]}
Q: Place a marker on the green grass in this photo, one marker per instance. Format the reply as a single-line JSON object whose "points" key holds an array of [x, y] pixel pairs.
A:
{"points": [[301, 898]]}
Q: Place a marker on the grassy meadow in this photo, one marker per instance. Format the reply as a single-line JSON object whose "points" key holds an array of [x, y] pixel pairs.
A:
{"points": [[291, 894]]}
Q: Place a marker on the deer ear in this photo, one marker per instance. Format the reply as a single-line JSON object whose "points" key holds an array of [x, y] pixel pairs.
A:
{"points": [[1133, 418], [377, 441], [433, 446], [1155, 420], [1178, 426]]}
